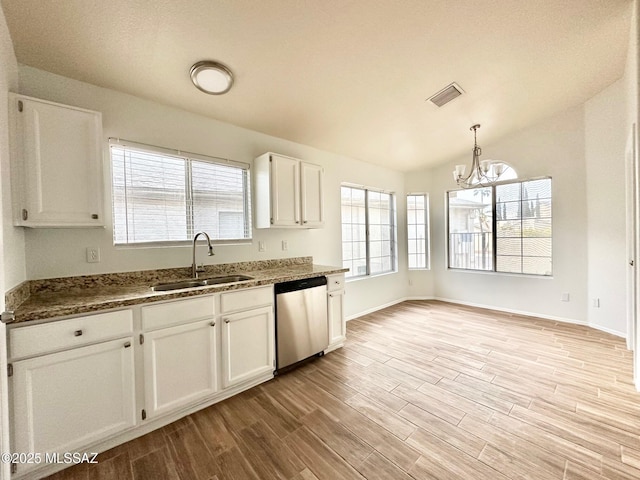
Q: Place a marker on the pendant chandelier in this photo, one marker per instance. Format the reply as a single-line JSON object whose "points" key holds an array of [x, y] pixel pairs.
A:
{"points": [[483, 173]]}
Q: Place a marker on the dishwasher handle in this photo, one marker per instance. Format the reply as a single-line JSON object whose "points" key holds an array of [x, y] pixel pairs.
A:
{"points": [[295, 285]]}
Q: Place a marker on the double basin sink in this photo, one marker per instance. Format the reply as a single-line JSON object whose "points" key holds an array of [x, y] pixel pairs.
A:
{"points": [[196, 282]]}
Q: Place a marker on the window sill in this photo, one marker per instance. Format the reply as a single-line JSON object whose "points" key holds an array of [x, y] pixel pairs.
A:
{"points": [[501, 274], [367, 277], [180, 243]]}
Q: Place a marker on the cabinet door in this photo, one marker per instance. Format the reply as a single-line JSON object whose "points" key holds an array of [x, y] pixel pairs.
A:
{"points": [[179, 366], [337, 325], [64, 401], [59, 165], [248, 345], [311, 190], [285, 191]]}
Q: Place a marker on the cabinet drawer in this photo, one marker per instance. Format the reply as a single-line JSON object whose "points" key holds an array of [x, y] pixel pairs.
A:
{"points": [[64, 334], [335, 282], [177, 312], [246, 299]]}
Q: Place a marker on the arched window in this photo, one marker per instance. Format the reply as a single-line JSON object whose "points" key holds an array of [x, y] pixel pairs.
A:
{"points": [[498, 171]]}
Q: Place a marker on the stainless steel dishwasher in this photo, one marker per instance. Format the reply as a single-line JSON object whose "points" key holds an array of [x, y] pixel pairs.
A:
{"points": [[302, 327]]}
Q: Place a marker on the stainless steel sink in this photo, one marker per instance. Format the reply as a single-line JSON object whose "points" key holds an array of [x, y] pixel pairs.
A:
{"points": [[163, 287], [227, 279]]}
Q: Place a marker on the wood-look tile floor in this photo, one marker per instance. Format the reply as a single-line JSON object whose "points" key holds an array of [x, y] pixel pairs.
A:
{"points": [[423, 390]]}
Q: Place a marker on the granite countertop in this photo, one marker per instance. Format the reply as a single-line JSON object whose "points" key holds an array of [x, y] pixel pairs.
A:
{"points": [[75, 295]]}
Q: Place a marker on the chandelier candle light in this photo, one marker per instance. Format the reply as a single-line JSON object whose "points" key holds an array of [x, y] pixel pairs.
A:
{"points": [[483, 173]]}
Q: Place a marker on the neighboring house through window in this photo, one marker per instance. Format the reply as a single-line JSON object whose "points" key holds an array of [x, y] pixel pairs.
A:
{"points": [[418, 230], [165, 196], [503, 228], [368, 231]]}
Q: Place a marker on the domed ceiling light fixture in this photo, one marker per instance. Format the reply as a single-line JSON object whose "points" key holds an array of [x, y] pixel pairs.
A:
{"points": [[483, 173], [211, 77]]}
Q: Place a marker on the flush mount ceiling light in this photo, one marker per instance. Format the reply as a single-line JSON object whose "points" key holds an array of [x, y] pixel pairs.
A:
{"points": [[211, 77], [483, 173]]}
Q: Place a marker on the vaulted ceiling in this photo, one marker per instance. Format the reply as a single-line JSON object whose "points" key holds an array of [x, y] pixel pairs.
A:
{"points": [[347, 76]]}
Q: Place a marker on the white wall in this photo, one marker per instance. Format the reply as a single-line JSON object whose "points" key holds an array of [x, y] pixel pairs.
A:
{"points": [[631, 79], [12, 269], [53, 253], [605, 140], [12, 238], [554, 147]]}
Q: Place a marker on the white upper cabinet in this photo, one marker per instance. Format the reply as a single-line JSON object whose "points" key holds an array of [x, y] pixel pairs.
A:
{"points": [[289, 192], [56, 164], [311, 189]]}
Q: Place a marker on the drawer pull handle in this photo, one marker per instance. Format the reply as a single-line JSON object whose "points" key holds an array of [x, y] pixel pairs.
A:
{"points": [[77, 333], [127, 345]]}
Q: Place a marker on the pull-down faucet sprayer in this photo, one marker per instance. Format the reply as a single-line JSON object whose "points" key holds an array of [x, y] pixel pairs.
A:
{"points": [[194, 269]]}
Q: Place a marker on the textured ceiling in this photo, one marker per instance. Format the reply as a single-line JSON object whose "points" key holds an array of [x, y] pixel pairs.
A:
{"points": [[347, 76]]}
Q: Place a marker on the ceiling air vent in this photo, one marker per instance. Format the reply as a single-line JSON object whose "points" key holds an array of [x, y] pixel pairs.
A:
{"points": [[445, 95]]}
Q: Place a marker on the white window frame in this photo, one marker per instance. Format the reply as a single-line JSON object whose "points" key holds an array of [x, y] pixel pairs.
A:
{"points": [[494, 232], [426, 232], [188, 157], [392, 232]]}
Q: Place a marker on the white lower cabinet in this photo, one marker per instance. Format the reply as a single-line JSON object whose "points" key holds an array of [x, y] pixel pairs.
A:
{"points": [[64, 401], [180, 366], [337, 333], [74, 385], [247, 345], [335, 310]]}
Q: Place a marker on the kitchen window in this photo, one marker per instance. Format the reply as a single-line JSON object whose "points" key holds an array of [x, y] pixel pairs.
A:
{"points": [[418, 230], [368, 231], [502, 228], [162, 195]]}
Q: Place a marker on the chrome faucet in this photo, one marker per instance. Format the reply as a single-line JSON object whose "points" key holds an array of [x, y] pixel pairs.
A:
{"points": [[194, 269]]}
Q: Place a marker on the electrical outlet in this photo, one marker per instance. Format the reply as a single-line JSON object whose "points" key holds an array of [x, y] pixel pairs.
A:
{"points": [[596, 302], [93, 254], [285, 245], [262, 247]]}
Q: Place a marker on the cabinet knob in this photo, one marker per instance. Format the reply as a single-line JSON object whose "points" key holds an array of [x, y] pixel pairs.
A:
{"points": [[304, 221], [297, 221], [77, 333], [213, 324], [226, 320], [94, 216]]}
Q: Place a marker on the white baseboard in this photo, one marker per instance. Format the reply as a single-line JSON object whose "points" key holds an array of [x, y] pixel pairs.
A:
{"points": [[608, 330], [538, 315], [514, 311], [390, 304], [492, 307]]}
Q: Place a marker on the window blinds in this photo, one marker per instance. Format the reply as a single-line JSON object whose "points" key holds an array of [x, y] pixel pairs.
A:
{"points": [[164, 196]]}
